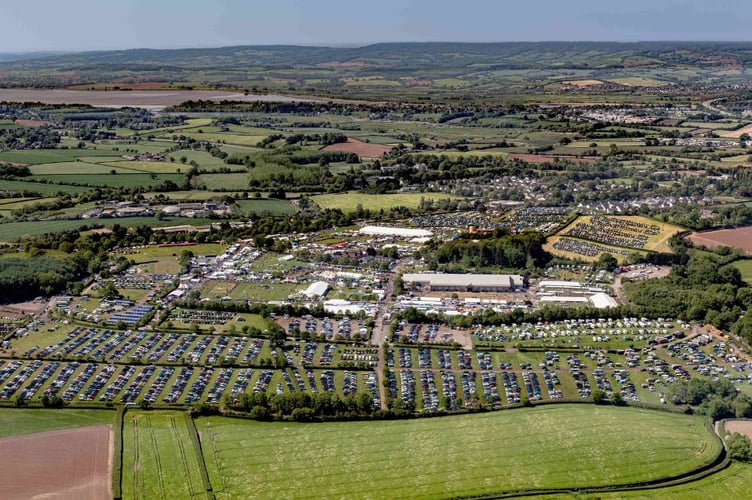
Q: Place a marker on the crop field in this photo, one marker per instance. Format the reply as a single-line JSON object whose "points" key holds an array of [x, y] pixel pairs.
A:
{"points": [[735, 134], [348, 202], [24, 421], [735, 238], [362, 149], [58, 464], [562, 446], [159, 459]]}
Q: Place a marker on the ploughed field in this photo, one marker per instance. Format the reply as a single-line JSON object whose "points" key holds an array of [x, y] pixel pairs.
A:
{"points": [[72, 463], [736, 238], [563, 446]]}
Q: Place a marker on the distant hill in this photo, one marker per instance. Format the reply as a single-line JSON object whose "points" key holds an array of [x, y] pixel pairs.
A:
{"points": [[416, 55], [20, 56], [403, 71]]}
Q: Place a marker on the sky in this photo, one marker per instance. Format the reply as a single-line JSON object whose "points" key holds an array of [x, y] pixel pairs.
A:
{"points": [[66, 25]]}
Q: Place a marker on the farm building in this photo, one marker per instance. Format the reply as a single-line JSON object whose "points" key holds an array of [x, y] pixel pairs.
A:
{"points": [[465, 282], [316, 290], [556, 285], [603, 301], [563, 300], [402, 232]]}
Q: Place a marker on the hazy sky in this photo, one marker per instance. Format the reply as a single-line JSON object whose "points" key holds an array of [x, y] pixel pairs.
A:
{"points": [[116, 24]]}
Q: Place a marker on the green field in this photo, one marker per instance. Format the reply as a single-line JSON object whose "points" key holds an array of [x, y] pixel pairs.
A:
{"points": [[52, 155], [745, 267], [733, 482], [25, 421], [43, 189], [555, 446], [348, 202], [159, 460], [274, 207], [113, 180], [12, 231], [77, 168]]}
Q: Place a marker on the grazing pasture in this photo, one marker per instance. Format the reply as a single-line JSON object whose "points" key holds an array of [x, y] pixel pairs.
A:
{"points": [[555, 446]]}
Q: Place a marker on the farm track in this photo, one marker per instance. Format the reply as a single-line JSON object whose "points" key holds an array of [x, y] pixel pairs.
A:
{"points": [[160, 471], [183, 455], [136, 465]]}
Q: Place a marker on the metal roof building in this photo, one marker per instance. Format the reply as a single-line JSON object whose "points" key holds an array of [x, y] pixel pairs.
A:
{"points": [[317, 289], [466, 282], [404, 232]]}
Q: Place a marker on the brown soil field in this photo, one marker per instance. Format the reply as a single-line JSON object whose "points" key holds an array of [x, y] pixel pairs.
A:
{"points": [[156, 99], [34, 123], [700, 131], [530, 158], [741, 426], [735, 134], [67, 464], [12, 163], [582, 83], [360, 148], [740, 237], [691, 173]]}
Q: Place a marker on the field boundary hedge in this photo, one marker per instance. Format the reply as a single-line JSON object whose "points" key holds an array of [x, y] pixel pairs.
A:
{"points": [[193, 432], [117, 454], [720, 462]]}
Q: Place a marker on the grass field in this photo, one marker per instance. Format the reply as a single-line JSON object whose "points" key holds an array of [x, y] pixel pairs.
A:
{"points": [[43, 189], [274, 207], [348, 202], [166, 260], [561, 446], [76, 168], [113, 180], [52, 155], [15, 230], [745, 267], [733, 482], [24, 421], [159, 460]]}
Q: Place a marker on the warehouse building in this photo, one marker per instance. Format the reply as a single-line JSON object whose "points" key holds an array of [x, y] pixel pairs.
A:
{"points": [[437, 282]]}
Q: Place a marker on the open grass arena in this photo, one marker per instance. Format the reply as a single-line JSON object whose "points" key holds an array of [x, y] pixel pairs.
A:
{"points": [[563, 446]]}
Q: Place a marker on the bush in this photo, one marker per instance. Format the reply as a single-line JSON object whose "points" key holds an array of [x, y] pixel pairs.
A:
{"points": [[739, 448]]}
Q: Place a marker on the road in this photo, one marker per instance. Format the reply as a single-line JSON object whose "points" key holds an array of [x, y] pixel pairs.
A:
{"points": [[381, 329]]}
